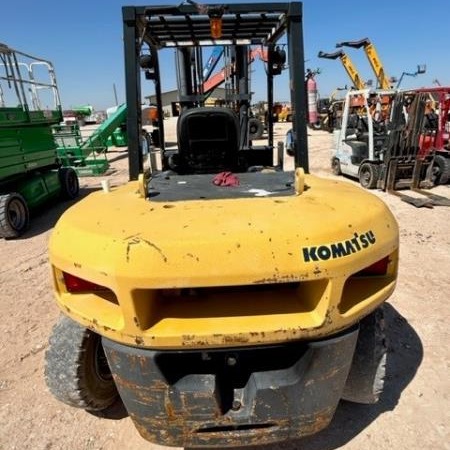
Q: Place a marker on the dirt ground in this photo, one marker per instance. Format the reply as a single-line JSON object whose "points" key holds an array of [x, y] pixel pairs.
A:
{"points": [[414, 412]]}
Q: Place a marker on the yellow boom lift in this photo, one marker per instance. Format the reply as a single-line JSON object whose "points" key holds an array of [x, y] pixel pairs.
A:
{"points": [[374, 60], [349, 67]]}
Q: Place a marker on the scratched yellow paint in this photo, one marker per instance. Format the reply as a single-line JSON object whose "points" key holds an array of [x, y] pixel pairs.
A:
{"points": [[144, 252]]}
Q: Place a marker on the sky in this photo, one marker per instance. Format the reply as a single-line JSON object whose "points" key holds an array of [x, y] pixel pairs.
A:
{"points": [[83, 40]]}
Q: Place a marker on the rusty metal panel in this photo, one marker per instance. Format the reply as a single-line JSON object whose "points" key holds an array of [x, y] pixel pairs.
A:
{"points": [[225, 396]]}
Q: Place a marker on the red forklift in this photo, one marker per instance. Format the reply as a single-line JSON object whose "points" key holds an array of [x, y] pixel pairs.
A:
{"points": [[435, 137]]}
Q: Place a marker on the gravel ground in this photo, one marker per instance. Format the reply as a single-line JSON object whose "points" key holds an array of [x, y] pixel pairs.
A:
{"points": [[414, 412]]}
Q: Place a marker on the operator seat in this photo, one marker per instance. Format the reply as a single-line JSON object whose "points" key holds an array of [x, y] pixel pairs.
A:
{"points": [[208, 140]]}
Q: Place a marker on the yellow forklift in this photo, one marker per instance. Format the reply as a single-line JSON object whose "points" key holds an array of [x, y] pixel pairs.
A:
{"points": [[225, 300]]}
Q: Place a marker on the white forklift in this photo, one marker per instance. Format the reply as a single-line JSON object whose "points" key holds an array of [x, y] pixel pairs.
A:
{"points": [[380, 142], [362, 135]]}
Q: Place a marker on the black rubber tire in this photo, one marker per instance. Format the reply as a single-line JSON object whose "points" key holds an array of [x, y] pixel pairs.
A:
{"points": [[255, 128], [441, 170], [70, 187], [336, 166], [76, 370], [365, 381], [368, 175], [14, 215]]}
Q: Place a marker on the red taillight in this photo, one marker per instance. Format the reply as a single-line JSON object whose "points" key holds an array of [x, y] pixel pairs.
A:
{"points": [[378, 268], [75, 284]]}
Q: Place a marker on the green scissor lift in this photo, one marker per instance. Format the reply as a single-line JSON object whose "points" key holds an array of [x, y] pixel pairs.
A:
{"points": [[31, 173]]}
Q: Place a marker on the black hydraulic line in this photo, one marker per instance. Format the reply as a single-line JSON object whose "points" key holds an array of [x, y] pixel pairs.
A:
{"points": [[243, 91], [193, 68], [199, 70], [158, 93], [230, 76], [270, 94]]}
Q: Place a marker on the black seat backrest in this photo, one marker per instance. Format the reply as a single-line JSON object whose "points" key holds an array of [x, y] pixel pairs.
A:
{"points": [[208, 140]]}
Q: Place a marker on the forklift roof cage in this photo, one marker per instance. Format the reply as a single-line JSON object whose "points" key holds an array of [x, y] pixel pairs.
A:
{"points": [[189, 25]]}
